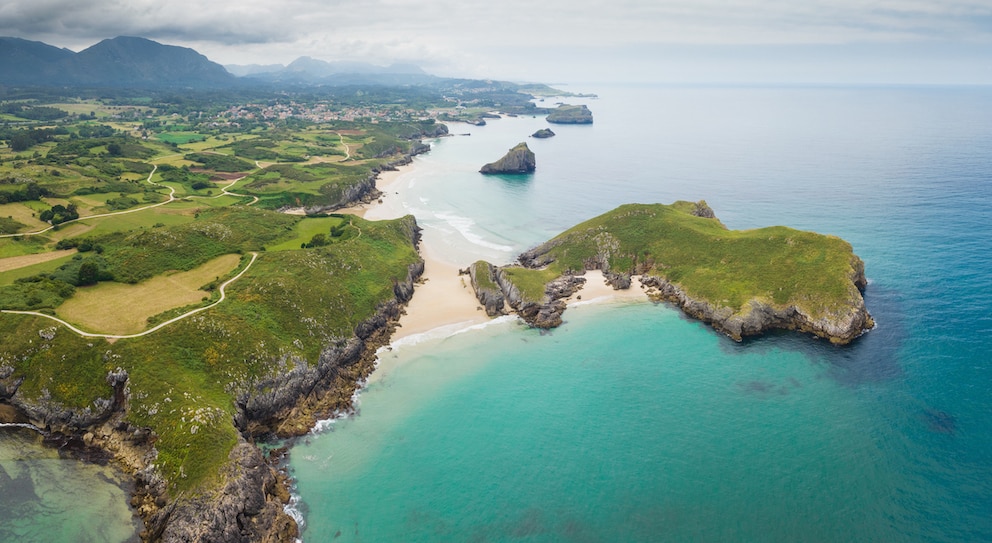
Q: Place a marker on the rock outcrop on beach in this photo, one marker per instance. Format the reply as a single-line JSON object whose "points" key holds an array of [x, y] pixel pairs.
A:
{"points": [[544, 312], [520, 159], [743, 283], [487, 290], [543, 133], [569, 114]]}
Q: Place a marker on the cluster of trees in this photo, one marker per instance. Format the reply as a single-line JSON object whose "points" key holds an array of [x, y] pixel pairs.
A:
{"points": [[59, 214], [30, 191], [35, 113], [24, 138]]}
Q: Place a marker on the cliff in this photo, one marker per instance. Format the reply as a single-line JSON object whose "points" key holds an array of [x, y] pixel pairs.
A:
{"points": [[569, 114], [519, 159], [743, 283], [198, 474]]}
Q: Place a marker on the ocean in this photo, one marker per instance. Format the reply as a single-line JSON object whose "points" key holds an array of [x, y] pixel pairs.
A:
{"points": [[631, 422]]}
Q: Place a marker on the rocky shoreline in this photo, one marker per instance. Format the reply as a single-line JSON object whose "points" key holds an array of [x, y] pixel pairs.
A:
{"points": [[249, 502]]}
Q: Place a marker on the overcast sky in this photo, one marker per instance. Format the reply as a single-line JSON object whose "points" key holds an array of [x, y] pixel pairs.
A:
{"points": [[557, 41]]}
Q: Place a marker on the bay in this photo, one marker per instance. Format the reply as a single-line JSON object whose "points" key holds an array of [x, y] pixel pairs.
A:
{"points": [[632, 423]]}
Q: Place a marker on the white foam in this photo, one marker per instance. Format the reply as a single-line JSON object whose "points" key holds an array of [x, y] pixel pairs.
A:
{"points": [[463, 225], [293, 509], [441, 332], [20, 425]]}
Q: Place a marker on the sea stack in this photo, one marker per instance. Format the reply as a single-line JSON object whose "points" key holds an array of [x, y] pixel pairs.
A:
{"points": [[519, 159], [543, 133]]}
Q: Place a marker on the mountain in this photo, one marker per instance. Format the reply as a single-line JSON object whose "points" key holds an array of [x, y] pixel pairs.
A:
{"points": [[117, 62], [308, 70], [27, 62]]}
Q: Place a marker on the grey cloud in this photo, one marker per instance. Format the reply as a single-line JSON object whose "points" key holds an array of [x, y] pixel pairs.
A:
{"points": [[482, 34]]}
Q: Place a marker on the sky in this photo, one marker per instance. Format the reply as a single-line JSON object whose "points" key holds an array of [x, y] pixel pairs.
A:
{"points": [[557, 41]]}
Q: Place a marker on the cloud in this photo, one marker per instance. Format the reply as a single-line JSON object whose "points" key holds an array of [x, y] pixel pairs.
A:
{"points": [[471, 35]]}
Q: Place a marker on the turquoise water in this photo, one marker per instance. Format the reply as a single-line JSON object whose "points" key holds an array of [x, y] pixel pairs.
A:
{"points": [[44, 498], [631, 423]]}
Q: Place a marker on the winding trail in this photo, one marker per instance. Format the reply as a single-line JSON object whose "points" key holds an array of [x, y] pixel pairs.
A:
{"points": [[224, 192], [172, 198], [223, 296], [347, 150]]}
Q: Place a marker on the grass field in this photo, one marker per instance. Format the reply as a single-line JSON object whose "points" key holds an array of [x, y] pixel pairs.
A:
{"points": [[305, 230], [7, 265], [180, 138], [23, 214], [116, 308]]}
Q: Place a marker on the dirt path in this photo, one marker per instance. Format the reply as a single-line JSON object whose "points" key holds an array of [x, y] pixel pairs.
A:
{"points": [[223, 296], [172, 198]]}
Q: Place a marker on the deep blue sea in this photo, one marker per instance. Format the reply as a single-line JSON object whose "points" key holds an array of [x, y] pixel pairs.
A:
{"points": [[632, 423]]}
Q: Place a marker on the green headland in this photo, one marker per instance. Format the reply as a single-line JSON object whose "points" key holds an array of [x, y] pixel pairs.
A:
{"points": [[743, 282]]}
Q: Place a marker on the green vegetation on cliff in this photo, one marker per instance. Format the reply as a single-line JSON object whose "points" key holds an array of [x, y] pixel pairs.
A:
{"points": [[569, 114], [743, 281], [184, 380]]}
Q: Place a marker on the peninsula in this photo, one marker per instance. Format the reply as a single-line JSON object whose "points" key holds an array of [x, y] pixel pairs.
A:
{"points": [[569, 114], [742, 282]]}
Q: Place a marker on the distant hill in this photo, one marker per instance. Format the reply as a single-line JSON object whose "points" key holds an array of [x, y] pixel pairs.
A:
{"points": [[117, 62], [308, 70]]}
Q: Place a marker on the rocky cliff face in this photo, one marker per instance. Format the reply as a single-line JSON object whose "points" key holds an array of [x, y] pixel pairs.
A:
{"points": [[546, 313], [518, 160], [840, 328], [487, 291]]}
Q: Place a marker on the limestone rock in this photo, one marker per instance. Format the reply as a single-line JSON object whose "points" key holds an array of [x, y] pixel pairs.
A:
{"points": [[519, 159]]}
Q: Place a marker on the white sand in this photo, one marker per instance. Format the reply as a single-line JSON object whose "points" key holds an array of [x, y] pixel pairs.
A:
{"points": [[444, 300]]}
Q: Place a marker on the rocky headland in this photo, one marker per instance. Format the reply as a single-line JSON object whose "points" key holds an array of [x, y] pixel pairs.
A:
{"points": [[245, 500], [518, 160], [569, 114], [743, 283]]}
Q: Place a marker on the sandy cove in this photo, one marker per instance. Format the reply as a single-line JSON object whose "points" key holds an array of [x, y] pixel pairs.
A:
{"points": [[444, 301]]}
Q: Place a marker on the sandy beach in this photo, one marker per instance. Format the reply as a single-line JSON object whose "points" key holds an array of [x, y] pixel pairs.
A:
{"points": [[443, 300]]}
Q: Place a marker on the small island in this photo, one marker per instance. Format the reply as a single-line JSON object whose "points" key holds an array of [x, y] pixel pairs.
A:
{"points": [[519, 159], [543, 133], [569, 114], [742, 282]]}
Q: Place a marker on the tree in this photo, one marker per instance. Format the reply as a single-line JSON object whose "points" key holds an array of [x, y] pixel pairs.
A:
{"points": [[88, 273], [21, 142]]}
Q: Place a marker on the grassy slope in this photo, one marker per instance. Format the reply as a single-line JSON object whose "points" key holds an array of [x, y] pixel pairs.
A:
{"points": [[726, 267], [184, 378], [289, 306]]}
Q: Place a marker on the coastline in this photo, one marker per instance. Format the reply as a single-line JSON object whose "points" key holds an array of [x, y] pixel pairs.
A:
{"points": [[444, 301]]}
